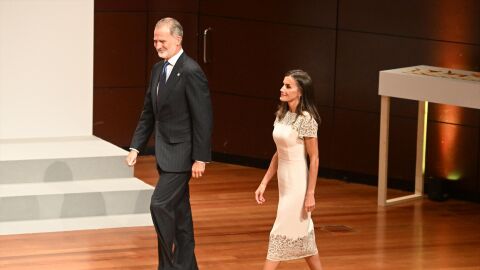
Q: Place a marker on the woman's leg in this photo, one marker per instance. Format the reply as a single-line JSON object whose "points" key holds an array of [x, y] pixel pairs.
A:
{"points": [[270, 265], [314, 262]]}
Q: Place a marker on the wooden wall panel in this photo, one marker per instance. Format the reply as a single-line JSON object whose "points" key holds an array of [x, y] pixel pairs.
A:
{"points": [[325, 136], [120, 5], [355, 144], [250, 58], [189, 6], [317, 13], [437, 112], [456, 21], [355, 141], [454, 115], [361, 56], [449, 147], [243, 126], [116, 112], [402, 148], [119, 49]]}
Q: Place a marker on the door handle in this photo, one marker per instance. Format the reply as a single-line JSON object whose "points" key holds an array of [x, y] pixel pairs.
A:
{"points": [[205, 38]]}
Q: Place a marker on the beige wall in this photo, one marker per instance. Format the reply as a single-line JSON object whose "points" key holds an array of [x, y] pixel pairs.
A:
{"points": [[46, 68]]}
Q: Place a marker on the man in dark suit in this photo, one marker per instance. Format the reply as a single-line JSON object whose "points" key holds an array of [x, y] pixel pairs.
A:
{"points": [[177, 107]]}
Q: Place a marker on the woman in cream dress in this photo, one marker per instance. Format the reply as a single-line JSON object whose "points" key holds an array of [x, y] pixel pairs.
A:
{"points": [[295, 136]]}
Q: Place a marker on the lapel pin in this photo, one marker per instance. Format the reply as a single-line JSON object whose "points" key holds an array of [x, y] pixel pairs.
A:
{"points": [[178, 74]]}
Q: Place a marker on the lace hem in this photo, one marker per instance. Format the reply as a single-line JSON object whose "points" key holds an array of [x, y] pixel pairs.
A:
{"points": [[281, 248]]}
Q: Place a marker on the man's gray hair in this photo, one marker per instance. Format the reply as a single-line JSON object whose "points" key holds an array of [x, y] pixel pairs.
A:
{"points": [[175, 27]]}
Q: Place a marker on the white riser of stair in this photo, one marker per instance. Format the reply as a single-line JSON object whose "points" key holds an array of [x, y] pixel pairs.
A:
{"points": [[60, 159], [73, 224], [74, 199]]}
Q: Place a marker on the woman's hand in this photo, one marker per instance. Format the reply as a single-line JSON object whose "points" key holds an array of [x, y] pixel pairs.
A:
{"points": [[259, 193], [309, 202]]}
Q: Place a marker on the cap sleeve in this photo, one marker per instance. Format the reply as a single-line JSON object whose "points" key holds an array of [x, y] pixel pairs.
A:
{"points": [[308, 126]]}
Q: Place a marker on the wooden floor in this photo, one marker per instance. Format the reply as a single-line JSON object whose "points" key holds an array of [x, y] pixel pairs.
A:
{"points": [[232, 231]]}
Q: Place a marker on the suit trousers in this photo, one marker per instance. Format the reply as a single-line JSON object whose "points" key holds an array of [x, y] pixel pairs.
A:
{"points": [[172, 218]]}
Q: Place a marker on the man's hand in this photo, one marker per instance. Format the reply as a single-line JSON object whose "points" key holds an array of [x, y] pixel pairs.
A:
{"points": [[198, 168], [131, 158]]}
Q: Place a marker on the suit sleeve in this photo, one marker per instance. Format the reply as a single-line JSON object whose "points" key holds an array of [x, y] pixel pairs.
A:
{"points": [[146, 123], [200, 105]]}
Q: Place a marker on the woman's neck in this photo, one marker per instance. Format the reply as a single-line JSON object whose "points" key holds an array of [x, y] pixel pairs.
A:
{"points": [[292, 105]]}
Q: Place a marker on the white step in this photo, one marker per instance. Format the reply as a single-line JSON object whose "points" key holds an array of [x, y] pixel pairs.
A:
{"points": [[60, 159], [69, 183], [72, 224], [101, 197], [57, 148]]}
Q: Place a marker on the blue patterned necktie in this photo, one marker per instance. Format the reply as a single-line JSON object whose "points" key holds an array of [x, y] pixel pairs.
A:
{"points": [[162, 82], [163, 77]]}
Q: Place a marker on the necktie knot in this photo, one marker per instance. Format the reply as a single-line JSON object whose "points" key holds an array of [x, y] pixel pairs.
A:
{"points": [[165, 65]]}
